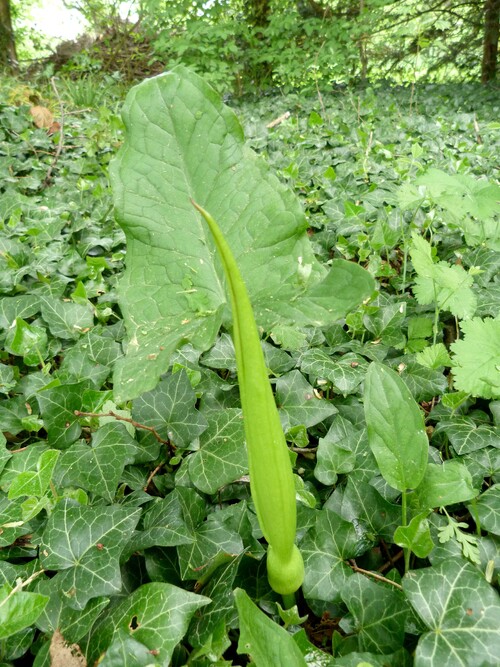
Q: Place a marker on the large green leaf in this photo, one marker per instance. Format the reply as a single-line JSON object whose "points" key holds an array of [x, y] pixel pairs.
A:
{"points": [[461, 612], [395, 428], [182, 143], [265, 641]]}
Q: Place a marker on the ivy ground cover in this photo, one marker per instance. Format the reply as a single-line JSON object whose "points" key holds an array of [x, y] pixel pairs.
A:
{"points": [[127, 530]]}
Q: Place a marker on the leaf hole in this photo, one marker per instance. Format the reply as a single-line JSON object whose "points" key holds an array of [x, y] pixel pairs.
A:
{"points": [[134, 623]]}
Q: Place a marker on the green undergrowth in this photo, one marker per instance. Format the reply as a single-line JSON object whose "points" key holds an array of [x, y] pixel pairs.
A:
{"points": [[126, 522]]}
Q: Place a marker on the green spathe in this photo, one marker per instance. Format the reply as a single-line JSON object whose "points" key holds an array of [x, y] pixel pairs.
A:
{"points": [[271, 477]]}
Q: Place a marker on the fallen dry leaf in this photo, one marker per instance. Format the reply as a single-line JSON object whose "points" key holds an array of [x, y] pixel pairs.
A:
{"points": [[63, 654], [42, 117]]}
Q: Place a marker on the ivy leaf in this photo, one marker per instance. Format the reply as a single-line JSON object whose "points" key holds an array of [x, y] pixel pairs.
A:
{"points": [[12, 307], [467, 436], [35, 483], [223, 356], [485, 463], [312, 654], [5, 454], [325, 549], [387, 323], [345, 373], [27, 341], [26, 459], [162, 525], [65, 319], [57, 406], [222, 456], [265, 641], [361, 503], [18, 610], [424, 383], [12, 524], [297, 402], [14, 415], [337, 450], [488, 509], [214, 538], [476, 358], [72, 623], [98, 468], [221, 610], [460, 610], [379, 614], [84, 545], [125, 651], [170, 410], [156, 615]]}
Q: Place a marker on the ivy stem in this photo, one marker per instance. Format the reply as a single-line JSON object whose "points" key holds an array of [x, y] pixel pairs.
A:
{"points": [[289, 601]]}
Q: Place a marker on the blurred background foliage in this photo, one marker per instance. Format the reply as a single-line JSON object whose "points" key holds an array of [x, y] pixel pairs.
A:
{"points": [[251, 46]]}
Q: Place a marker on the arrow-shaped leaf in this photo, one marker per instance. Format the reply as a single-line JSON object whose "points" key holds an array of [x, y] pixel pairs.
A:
{"points": [[183, 143]]}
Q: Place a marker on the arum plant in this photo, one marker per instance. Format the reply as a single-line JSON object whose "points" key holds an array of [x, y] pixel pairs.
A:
{"points": [[271, 478]]}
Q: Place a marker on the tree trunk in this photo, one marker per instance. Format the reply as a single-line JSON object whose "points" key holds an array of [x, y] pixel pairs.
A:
{"points": [[258, 15], [363, 57], [490, 40], [8, 56]]}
